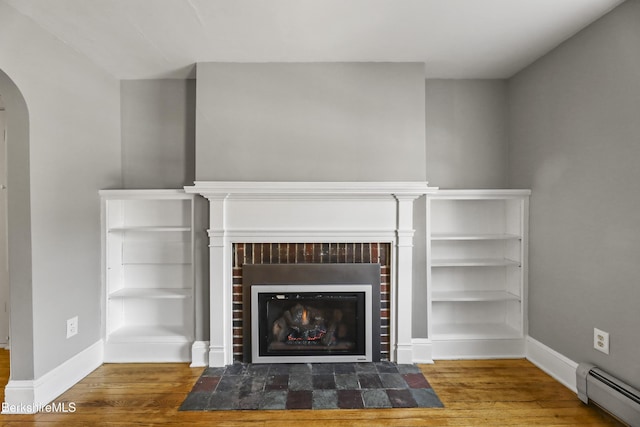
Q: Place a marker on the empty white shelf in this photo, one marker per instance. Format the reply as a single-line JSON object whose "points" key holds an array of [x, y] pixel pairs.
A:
{"points": [[473, 236], [152, 293], [476, 262], [151, 229], [462, 296]]}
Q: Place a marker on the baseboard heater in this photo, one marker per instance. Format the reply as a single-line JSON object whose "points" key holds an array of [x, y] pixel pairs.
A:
{"points": [[608, 392]]}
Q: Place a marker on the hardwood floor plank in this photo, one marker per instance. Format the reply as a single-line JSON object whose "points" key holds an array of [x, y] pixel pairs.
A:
{"points": [[475, 393]]}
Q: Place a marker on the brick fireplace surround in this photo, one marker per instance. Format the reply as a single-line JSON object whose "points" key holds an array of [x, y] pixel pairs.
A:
{"points": [[311, 253], [283, 222]]}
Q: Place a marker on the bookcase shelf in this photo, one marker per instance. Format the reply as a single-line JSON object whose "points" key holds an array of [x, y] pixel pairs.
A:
{"points": [[474, 262], [476, 278], [148, 244], [151, 293], [450, 296], [155, 229], [467, 236], [475, 331]]}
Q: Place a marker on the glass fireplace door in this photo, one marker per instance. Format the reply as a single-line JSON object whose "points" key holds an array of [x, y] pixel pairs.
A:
{"points": [[311, 323]]}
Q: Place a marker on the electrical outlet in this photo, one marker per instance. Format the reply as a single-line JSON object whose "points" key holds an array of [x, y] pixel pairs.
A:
{"points": [[72, 326], [601, 340]]}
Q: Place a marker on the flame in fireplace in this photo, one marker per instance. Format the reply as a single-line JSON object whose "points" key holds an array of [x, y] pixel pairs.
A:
{"points": [[305, 317]]}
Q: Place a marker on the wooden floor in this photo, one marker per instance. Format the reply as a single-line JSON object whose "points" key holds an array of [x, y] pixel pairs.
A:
{"points": [[475, 393]]}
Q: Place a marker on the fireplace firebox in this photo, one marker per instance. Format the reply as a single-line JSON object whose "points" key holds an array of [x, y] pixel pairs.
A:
{"points": [[312, 313], [311, 323]]}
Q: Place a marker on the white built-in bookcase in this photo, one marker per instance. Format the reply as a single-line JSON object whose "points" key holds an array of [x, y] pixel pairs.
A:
{"points": [[476, 272], [148, 243]]}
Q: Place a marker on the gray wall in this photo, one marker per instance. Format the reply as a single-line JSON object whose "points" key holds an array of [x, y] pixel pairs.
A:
{"points": [[575, 129], [310, 122], [465, 141], [466, 145], [18, 229], [73, 150], [158, 133], [466, 133]]}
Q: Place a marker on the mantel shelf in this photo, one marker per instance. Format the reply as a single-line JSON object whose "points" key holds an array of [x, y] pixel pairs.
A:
{"points": [[310, 189]]}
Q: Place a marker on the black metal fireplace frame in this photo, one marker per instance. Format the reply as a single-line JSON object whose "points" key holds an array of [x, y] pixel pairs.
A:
{"points": [[312, 274]]}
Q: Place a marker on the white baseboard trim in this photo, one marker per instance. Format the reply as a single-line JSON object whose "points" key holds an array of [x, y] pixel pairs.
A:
{"points": [[404, 353], [199, 354], [422, 350], [217, 356], [31, 396], [456, 349], [147, 352], [553, 363]]}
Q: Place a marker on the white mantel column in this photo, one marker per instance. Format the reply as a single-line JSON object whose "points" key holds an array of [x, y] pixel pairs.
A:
{"points": [[404, 278], [220, 298]]}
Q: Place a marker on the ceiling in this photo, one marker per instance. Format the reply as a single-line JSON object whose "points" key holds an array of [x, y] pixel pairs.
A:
{"points": [[143, 39]]}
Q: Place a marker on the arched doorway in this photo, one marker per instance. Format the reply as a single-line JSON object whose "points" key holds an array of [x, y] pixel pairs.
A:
{"points": [[18, 229]]}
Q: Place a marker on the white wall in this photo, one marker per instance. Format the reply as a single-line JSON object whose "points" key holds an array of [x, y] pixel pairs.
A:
{"points": [[310, 122], [575, 140], [74, 150]]}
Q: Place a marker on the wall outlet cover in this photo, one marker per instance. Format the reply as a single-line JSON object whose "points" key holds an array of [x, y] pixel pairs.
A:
{"points": [[72, 326], [601, 340]]}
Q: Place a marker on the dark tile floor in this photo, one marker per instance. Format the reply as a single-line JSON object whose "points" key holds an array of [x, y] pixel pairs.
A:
{"points": [[311, 386]]}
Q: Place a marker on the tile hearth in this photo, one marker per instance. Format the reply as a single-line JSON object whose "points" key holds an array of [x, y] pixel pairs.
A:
{"points": [[311, 386]]}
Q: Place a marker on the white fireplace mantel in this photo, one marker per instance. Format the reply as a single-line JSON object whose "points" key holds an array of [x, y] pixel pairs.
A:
{"points": [[298, 188], [296, 212]]}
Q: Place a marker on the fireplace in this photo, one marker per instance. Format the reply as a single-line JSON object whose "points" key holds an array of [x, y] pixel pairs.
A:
{"points": [[308, 213], [312, 313]]}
